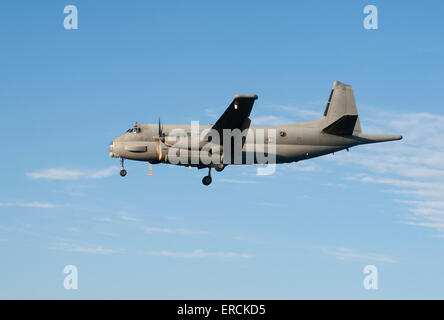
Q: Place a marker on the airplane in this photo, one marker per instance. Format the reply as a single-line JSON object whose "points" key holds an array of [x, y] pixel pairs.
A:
{"points": [[339, 128]]}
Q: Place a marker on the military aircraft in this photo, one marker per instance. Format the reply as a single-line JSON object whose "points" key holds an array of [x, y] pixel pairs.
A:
{"points": [[210, 146]]}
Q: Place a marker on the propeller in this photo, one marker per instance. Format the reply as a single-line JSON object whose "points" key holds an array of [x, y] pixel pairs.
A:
{"points": [[159, 150], [160, 130], [161, 140]]}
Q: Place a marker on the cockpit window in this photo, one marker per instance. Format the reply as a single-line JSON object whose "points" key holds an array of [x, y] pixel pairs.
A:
{"points": [[134, 130]]}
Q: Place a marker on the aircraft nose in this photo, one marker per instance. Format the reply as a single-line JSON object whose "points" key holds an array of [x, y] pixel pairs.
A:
{"points": [[111, 150]]}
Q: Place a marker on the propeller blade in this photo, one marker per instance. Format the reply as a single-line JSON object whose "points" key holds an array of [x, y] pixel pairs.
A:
{"points": [[159, 150], [160, 129]]}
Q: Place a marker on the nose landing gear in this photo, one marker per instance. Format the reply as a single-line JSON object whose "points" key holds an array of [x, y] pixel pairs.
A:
{"points": [[207, 179], [123, 171]]}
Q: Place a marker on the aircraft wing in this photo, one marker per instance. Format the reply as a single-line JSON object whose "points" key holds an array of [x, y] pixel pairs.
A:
{"points": [[237, 114]]}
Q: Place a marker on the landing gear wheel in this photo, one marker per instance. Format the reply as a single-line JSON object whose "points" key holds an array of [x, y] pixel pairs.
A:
{"points": [[123, 171], [206, 180], [219, 167]]}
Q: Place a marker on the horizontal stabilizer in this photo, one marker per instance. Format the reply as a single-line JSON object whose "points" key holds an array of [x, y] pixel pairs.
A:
{"points": [[343, 126], [375, 138]]}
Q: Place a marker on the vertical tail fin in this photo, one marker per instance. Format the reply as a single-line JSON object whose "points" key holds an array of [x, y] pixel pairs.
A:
{"points": [[341, 116]]}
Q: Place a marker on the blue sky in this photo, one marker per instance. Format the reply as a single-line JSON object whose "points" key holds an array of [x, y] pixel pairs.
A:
{"points": [[305, 232]]}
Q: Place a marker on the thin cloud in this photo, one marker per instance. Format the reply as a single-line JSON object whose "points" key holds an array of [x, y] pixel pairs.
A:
{"points": [[35, 204], [124, 215], [334, 185], [300, 166], [104, 173], [412, 167], [69, 174], [348, 254], [180, 231], [128, 218], [200, 254], [211, 113], [94, 250], [236, 181], [270, 120], [301, 112], [103, 220], [72, 229], [268, 204], [65, 246]]}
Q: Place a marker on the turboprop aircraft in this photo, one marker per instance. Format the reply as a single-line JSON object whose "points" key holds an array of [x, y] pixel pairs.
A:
{"points": [[232, 141]]}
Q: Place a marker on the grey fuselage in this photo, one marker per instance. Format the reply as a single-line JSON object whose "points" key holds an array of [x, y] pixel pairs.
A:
{"points": [[339, 128], [293, 142]]}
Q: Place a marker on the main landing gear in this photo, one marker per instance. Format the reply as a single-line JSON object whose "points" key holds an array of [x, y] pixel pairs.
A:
{"points": [[207, 179], [219, 167], [123, 171]]}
